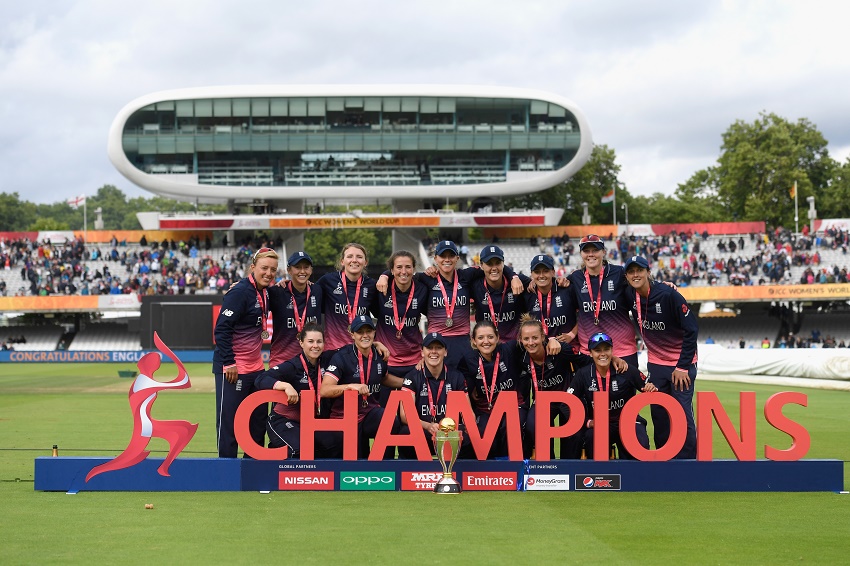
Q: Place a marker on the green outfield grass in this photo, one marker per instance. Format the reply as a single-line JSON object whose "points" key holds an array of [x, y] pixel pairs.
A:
{"points": [[83, 409]]}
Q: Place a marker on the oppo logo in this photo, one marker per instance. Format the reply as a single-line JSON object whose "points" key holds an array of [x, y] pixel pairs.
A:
{"points": [[367, 480], [375, 481]]}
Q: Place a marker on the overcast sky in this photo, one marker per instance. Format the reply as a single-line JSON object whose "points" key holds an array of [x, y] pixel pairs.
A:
{"points": [[659, 81]]}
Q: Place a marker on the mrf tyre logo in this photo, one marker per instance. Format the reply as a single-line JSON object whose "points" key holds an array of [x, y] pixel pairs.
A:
{"points": [[367, 481], [602, 482]]}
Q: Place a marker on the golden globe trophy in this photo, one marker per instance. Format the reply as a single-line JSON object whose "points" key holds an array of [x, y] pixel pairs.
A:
{"points": [[447, 434]]}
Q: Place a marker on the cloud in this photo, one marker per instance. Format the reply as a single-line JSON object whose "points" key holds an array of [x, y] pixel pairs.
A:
{"points": [[659, 81]]}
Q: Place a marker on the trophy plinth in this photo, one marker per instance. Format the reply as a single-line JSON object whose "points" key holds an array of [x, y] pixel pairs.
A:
{"points": [[447, 434]]}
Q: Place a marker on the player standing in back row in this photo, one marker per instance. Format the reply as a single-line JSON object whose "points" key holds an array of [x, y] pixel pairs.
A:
{"points": [[669, 330], [599, 293]]}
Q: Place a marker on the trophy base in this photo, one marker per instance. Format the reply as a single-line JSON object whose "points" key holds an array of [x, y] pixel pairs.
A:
{"points": [[447, 485]]}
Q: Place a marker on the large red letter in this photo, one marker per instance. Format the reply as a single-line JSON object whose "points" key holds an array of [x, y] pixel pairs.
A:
{"points": [[544, 431], [798, 433], [678, 427], [347, 425], [601, 436], [243, 434], [457, 404], [384, 437], [707, 405]]}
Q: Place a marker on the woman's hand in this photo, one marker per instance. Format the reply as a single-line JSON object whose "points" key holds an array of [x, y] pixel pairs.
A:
{"points": [[382, 284], [681, 380], [516, 286], [231, 374], [553, 346], [382, 350], [619, 364], [291, 393], [566, 337]]}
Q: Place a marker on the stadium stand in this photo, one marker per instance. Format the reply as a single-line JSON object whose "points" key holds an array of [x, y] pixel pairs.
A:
{"points": [[105, 336], [27, 338]]}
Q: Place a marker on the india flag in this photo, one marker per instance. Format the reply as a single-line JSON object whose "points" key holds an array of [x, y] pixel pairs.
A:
{"points": [[608, 197]]}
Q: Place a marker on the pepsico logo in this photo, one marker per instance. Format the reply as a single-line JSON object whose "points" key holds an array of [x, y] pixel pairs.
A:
{"points": [[600, 482]]}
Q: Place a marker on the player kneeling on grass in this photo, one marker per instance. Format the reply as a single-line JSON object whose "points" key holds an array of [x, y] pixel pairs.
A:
{"points": [[601, 375], [358, 367], [430, 387], [300, 373]]}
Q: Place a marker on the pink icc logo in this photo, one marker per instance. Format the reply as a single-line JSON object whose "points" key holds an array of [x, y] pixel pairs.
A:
{"points": [[142, 396]]}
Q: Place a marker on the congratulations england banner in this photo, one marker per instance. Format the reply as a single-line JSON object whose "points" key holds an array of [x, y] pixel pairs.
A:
{"points": [[90, 356]]}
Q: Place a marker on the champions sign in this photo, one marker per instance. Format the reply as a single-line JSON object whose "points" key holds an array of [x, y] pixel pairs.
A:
{"points": [[132, 470], [505, 409]]}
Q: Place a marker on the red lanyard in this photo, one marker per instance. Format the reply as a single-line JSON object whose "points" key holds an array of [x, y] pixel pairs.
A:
{"points": [[399, 321], [450, 307], [598, 300], [432, 409], [352, 309], [493, 318], [262, 299], [533, 369], [364, 375], [548, 308], [299, 319], [310, 382], [639, 317], [602, 384], [489, 392]]}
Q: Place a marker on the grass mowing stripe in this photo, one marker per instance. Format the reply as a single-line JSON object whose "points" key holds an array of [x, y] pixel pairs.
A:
{"points": [[76, 408]]}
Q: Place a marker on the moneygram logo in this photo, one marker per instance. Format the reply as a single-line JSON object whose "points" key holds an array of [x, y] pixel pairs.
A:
{"points": [[489, 481], [544, 482], [601, 482], [305, 481], [367, 481], [421, 481]]}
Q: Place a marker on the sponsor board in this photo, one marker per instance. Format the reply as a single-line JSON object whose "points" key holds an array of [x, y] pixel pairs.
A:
{"points": [[547, 482], [306, 481], [489, 481], [421, 481], [601, 482], [367, 481]]}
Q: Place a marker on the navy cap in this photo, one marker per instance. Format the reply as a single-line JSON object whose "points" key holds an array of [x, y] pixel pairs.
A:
{"points": [[432, 337], [638, 260], [361, 321], [490, 252], [446, 246], [598, 339], [542, 260], [299, 256], [591, 240]]}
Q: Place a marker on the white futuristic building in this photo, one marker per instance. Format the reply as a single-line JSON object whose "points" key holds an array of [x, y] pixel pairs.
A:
{"points": [[378, 141]]}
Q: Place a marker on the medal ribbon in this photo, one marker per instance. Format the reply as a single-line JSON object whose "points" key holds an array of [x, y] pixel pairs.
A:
{"points": [[262, 298], [352, 309], [299, 319], [639, 317], [489, 392], [533, 368], [432, 408], [602, 385], [493, 318], [364, 375], [310, 382], [598, 300], [548, 308], [450, 308], [399, 322]]}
